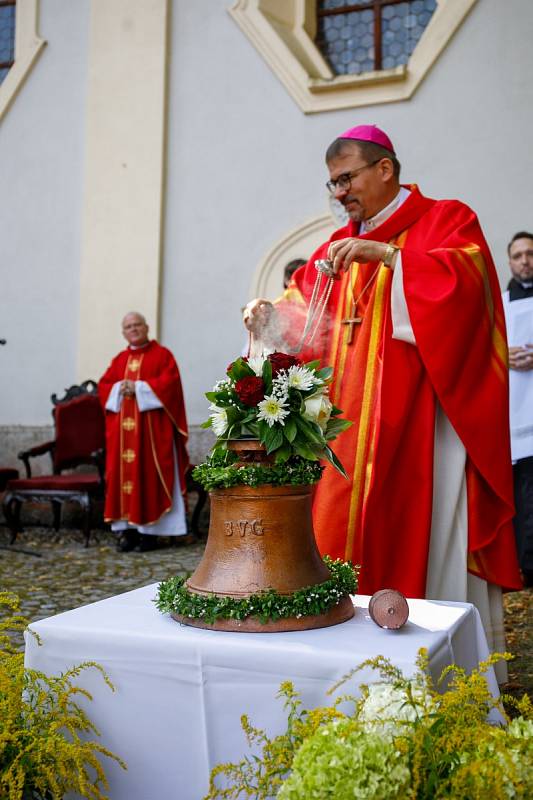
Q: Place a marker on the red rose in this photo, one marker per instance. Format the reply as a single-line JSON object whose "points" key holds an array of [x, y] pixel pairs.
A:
{"points": [[250, 390], [281, 361]]}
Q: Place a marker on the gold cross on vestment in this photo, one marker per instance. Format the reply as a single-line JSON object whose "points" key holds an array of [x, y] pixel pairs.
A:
{"points": [[134, 365], [127, 487], [128, 456], [128, 423], [352, 322]]}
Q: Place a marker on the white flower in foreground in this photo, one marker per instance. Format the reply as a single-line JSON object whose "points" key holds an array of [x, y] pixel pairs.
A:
{"points": [[301, 378], [272, 409], [219, 420], [387, 708], [318, 409], [256, 363]]}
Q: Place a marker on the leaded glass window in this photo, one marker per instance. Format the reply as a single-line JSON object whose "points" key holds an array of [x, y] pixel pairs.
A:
{"points": [[358, 36], [7, 36]]}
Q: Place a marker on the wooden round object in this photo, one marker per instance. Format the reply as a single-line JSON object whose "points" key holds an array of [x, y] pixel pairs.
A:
{"points": [[388, 608]]}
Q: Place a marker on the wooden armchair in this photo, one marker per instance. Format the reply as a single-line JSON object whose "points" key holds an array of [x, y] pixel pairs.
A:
{"points": [[80, 440]]}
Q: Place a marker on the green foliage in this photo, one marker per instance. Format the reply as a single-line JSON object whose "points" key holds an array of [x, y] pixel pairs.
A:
{"points": [[42, 752], [342, 761], [219, 472], [402, 738], [174, 597]]}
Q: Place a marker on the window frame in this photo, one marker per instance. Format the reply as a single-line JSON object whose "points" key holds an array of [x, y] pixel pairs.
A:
{"points": [[283, 33], [28, 47]]}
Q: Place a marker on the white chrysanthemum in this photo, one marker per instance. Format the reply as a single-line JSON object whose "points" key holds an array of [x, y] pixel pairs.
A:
{"points": [[301, 378], [318, 409], [272, 409], [219, 420], [256, 363]]}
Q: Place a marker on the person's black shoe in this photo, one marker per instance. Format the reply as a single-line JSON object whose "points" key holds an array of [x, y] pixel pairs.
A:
{"points": [[527, 577], [128, 541], [148, 542]]}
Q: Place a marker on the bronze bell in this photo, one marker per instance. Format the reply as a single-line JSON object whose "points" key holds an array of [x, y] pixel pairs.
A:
{"points": [[261, 538]]}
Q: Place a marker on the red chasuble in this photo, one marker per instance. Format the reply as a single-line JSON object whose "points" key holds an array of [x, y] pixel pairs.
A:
{"points": [[139, 445], [381, 517]]}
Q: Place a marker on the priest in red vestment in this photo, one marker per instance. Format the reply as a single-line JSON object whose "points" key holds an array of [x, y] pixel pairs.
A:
{"points": [[414, 329], [146, 437]]}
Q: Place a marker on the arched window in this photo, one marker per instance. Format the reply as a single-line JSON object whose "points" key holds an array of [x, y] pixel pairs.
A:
{"points": [[370, 35], [7, 36]]}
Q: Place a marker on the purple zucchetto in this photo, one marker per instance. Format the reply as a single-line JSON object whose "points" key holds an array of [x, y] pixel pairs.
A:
{"points": [[369, 133]]}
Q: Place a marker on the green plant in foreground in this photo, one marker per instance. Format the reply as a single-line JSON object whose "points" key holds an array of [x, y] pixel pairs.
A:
{"points": [[42, 752], [401, 738]]}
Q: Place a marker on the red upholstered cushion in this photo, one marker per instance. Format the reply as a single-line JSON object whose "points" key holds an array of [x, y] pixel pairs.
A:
{"points": [[79, 481], [80, 429], [7, 474]]}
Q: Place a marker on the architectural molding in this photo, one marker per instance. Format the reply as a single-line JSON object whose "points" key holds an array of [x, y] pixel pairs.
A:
{"points": [[300, 242], [28, 47], [282, 31], [126, 118]]}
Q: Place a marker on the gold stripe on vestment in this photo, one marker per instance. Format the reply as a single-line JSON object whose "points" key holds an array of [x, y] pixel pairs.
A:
{"points": [[154, 454], [341, 334], [383, 279]]}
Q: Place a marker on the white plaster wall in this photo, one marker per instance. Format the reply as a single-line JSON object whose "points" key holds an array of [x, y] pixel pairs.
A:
{"points": [[245, 165], [41, 153]]}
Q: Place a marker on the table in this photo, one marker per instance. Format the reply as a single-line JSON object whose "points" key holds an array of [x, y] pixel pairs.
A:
{"points": [[180, 691]]}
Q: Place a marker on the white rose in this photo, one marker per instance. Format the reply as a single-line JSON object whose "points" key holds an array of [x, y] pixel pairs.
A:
{"points": [[318, 409]]}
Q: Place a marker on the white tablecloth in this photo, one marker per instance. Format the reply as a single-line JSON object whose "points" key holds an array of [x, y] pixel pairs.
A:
{"points": [[180, 691]]}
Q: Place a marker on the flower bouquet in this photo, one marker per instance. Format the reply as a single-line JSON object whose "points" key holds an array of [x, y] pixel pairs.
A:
{"points": [[284, 404], [261, 570]]}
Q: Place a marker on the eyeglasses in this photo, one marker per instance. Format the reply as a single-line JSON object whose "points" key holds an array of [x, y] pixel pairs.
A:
{"points": [[345, 181]]}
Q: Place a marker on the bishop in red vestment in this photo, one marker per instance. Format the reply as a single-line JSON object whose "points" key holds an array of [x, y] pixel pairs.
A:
{"points": [[146, 436], [414, 329]]}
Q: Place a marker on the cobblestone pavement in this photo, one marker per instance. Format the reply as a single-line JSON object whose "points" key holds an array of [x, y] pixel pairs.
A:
{"points": [[56, 573]]}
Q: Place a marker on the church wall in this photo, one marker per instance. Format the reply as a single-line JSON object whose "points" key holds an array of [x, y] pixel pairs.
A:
{"points": [[41, 158], [245, 166]]}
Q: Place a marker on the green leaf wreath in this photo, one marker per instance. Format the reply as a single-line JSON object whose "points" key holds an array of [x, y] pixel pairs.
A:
{"points": [[174, 597]]}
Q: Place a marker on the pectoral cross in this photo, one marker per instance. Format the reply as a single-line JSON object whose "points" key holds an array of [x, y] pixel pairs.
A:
{"points": [[352, 322]]}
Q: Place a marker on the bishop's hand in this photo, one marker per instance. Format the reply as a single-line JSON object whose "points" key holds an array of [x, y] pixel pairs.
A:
{"points": [[257, 315], [343, 252]]}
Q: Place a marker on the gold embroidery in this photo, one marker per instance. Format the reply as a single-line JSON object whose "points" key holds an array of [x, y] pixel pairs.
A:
{"points": [[128, 456], [127, 487], [365, 422], [134, 365], [128, 423]]}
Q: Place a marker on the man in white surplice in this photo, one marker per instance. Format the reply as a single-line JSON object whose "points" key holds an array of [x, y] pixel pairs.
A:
{"points": [[518, 307], [146, 433]]}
